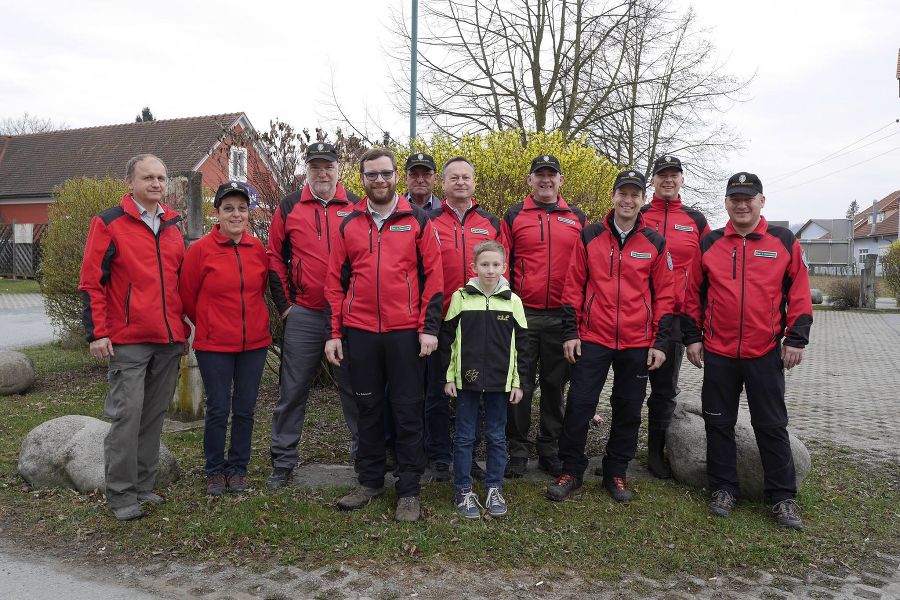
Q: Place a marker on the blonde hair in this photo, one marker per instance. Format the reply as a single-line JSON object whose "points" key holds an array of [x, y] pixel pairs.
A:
{"points": [[488, 246]]}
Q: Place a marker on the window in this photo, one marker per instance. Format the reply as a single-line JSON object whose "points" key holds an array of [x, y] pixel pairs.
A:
{"points": [[237, 166], [878, 218]]}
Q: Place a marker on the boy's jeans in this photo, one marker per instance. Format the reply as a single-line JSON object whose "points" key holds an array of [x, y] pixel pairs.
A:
{"points": [[467, 413]]}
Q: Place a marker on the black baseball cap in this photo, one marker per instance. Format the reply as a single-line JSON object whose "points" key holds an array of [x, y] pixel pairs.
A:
{"points": [[420, 159], [322, 150], [545, 161], [666, 161], [744, 183], [630, 177], [229, 188]]}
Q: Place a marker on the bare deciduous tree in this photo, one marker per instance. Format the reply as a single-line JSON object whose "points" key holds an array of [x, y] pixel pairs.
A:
{"points": [[29, 124]]}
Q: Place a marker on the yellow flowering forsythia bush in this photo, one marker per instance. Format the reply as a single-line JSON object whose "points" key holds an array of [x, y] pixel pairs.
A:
{"points": [[501, 168]]}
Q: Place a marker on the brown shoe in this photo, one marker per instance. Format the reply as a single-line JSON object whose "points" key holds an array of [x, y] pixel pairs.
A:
{"points": [[235, 483], [215, 484], [359, 497]]}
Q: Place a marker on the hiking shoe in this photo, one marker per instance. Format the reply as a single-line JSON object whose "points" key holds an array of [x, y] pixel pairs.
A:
{"points": [[215, 484], [359, 497], [722, 503], [280, 477], [440, 472], [494, 502], [478, 473], [149, 498], [656, 458], [128, 513], [550, 465], [563, 488], [618, 489], [235, 483], [515, 467], [787, 514], [467, 504], [408, 509]]}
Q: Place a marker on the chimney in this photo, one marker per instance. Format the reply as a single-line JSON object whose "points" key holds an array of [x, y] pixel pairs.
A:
{"points": [[874, 217]]}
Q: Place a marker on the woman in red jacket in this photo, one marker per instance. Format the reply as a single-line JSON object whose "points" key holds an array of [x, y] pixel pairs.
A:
{"points": [[222, 285]]}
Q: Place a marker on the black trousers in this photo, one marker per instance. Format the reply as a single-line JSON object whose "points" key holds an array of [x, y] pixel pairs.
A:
{"points": [[723, 379], [376, 359], [629, 386], [545, 340], [664, 384]]}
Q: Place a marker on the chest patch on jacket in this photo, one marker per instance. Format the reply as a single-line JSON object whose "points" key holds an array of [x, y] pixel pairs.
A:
{"points": [[565, 220], [479, 231], [342, 213], [683, 227], [641, 255], [765, 253], [401, 227]]}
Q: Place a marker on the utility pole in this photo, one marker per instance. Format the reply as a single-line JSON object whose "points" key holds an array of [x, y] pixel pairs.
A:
{"points": [[414, 59]]}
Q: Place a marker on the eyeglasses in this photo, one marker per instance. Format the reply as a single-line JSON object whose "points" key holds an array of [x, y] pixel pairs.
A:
{"points": [[374, 175]]}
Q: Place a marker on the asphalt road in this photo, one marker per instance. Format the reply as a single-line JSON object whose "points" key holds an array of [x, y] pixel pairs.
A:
{"points": [[23, 321]]}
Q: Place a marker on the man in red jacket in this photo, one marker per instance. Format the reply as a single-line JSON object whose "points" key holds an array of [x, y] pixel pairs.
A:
{"points": [[384, 295], [682, 228], [748, 313], [618, 312], [540, 233], [461, 225], [133, 317], [300, 242]]}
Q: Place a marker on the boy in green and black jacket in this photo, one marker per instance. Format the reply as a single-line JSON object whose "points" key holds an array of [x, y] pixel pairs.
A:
{"points": [[484, 334]]}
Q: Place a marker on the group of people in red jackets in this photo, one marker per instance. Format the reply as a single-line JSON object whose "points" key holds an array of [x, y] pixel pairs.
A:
{"points": [[367, 284]]}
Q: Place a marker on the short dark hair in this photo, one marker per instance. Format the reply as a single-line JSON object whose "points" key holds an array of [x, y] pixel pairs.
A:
{"points": [[488, 246], [129, 166], [455, 159], [372, 154]]}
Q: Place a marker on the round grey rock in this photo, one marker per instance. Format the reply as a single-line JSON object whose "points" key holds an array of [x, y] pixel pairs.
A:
{"points": [[816, 296], [686, 443], [67, 452], [16, 373]]}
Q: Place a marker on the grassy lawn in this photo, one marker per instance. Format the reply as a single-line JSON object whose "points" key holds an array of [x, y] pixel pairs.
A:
{"points": [[19, 286], [850, 510]]}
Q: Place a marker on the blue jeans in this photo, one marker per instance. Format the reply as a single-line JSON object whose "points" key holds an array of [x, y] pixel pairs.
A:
{"points": [[468, 404], [219, 370]]}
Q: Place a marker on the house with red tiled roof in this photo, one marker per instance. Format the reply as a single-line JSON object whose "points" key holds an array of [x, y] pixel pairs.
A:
{"points": [[875, 228], [32, 165]]}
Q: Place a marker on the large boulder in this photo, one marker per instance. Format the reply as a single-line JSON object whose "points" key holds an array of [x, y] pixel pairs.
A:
{"points": [[816, 296], [16, 372], [686, 441], [68, 453]]}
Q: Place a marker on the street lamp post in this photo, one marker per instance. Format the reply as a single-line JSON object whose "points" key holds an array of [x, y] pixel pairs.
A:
{"points": [[413, 57]]}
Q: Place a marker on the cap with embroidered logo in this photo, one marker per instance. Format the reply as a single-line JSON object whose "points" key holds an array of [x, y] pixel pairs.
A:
{"points": [[420, 159], [229, 188], [667, 161], [545, 161], [321, 150], [630, 177], [744, 183]]}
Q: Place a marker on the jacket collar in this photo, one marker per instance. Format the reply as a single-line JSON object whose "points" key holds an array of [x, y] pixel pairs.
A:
{"points": [[224, 240], [657, 202], [530, 204], [757, 232], [340, 194], [609, 221], [503, 290], [129, 205]]}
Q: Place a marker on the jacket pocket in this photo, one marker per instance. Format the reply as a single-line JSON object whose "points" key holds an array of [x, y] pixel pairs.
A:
{"points": [[351, 295], [774, 334], [587, 310], [522, 277], [298, 276], [709, 320], [128, 305], [648, 324], [408, 293]]}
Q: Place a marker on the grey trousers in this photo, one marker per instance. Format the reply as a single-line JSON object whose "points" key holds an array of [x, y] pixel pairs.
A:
{"points": [[142, 380], [302, 351]]}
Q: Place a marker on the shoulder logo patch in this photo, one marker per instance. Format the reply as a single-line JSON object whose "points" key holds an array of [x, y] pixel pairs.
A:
{"points": [[683, 227], [641, 255], [565, 220], [479, 231], [401, 227], [765, 253]]}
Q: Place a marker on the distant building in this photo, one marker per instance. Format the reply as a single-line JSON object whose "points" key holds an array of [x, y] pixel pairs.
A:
{"points": [[875, 228], [827, 246]]}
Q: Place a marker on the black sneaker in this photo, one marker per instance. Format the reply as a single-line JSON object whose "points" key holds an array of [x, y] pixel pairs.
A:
{"points": [[563, 488], [722, 503], [787, 514], [618, 489], [440, 472], [478, 473], [550, 465], [280, 477], [515, 467]]}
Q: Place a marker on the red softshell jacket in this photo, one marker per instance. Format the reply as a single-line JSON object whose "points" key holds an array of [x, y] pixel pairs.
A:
{"points": [[619, 295], [299, 246], [747, 292], [386, 280], [540, 246], [458, 239], [223, 288], [682, 228], [129, 278]]}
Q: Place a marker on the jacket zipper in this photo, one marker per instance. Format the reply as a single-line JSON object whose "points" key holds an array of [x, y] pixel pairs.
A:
{"points": [[370, 239], [327, 231], [648, 327], [734, 263], [128, 305], [618, 296], [318, 224], [484, 350], [665, 220], [408, 293], [243, 305], [378, 281], [588, 311], [162, 283], [549, 261], [743, 271], [611, 252]]}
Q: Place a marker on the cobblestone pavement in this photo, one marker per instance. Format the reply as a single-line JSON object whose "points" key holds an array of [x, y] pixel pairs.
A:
{"points": [[847, 389]]}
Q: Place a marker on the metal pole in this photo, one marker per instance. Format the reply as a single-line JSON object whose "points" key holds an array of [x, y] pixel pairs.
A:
{"points": [[413, 58]]}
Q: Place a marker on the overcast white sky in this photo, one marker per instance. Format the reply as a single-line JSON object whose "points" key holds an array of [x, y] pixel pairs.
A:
{"points": [[825, 76]]}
